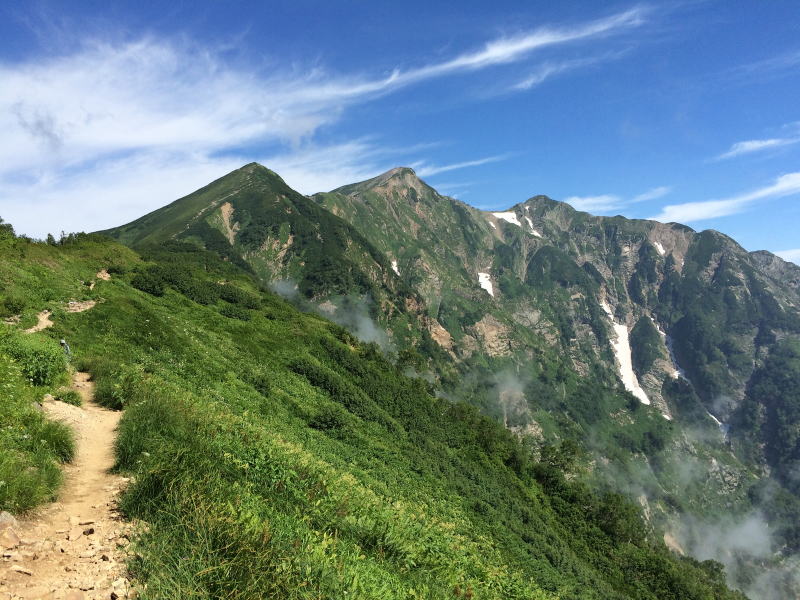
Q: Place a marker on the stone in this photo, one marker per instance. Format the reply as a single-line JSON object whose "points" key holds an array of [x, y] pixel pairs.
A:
{"points": [[88, 531], [88, 522], [120, 586], [20, 569], [9, 538], [7, 520]]}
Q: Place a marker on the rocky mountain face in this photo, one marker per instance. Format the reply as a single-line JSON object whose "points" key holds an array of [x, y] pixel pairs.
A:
{"points": [[688, 313], [655, 345]]}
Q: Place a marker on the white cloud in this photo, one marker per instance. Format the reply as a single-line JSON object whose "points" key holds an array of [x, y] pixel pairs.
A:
{"points": [[688, 212], [424, 170], [96, 131], [790, 255], [774, 66], [123, 190], [548, 69], [312, 169], [612, 202], [750, 146], [601, 203], [657, 192], [510, 49]]}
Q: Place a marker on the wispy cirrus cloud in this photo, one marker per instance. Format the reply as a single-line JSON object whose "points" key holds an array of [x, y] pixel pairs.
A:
{"points": [[548, 69], [751, 146], [653, 194], [514, 48], [688, 212], [426, 170], [766, 68], [73, 118], [601, 203], [609, 202]]}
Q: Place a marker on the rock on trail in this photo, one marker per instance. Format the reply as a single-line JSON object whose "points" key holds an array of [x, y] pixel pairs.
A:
{"points": [[72, 549]]}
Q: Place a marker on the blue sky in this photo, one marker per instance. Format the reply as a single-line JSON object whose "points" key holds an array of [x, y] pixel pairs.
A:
{"points": [[684, 111]]}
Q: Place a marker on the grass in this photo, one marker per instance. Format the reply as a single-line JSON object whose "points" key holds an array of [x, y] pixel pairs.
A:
{"points": [[33, 447], [279, 457], [70, 397]]}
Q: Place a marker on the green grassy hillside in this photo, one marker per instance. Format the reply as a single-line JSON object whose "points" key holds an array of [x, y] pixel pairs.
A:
{"points": [[274, 455]]}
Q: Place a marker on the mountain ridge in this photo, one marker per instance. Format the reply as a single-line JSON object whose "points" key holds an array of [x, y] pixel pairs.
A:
{"points": [[623, 334]]}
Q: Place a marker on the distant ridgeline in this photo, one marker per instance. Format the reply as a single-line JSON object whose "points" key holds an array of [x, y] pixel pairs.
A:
{"points": [[650, 359]]}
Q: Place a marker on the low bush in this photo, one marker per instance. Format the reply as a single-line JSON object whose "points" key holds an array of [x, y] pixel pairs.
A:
{"points": [[41, 359], [235, 312], [149, 282], [12, 305]]}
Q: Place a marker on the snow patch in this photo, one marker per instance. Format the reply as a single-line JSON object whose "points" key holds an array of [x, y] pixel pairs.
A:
{"points": [[622, 350], [533, 229], [493, 225], [660, 248], [485, 282], [724, 429], [394, 267], [511, 217]]}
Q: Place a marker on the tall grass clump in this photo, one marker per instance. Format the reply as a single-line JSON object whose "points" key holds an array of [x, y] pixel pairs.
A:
{"points": [[32, 447], [41, 359]]}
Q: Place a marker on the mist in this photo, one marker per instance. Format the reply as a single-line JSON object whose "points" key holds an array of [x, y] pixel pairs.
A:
{"points": [[746, 547], [286, 288]]}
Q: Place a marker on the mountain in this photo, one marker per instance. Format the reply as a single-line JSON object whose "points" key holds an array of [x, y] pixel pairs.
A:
{"points": [[560, 271], [250, 217], [690, 322], [273, 454], [659, 349]]}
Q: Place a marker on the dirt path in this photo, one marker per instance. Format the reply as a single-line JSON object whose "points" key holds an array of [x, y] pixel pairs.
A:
{"points": [[43, 322], [73, 548]]}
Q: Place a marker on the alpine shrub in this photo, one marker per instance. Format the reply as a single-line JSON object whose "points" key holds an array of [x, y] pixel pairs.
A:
{"points": [[41, 359]]}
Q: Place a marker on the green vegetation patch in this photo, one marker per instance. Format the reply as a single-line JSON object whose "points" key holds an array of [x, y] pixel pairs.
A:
{"points": [[32, 447]]}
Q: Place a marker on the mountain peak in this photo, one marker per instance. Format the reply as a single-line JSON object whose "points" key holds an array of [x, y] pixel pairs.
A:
{"points": [[404, 175], [401, 179]]}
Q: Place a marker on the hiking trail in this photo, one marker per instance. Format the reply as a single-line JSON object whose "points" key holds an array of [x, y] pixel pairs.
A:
{"points": [[73, 549]]}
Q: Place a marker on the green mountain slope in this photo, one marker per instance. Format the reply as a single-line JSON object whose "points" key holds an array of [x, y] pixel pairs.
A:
{"points": [[254, 219], [694, 315], [641, 341], [274, 455]]}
